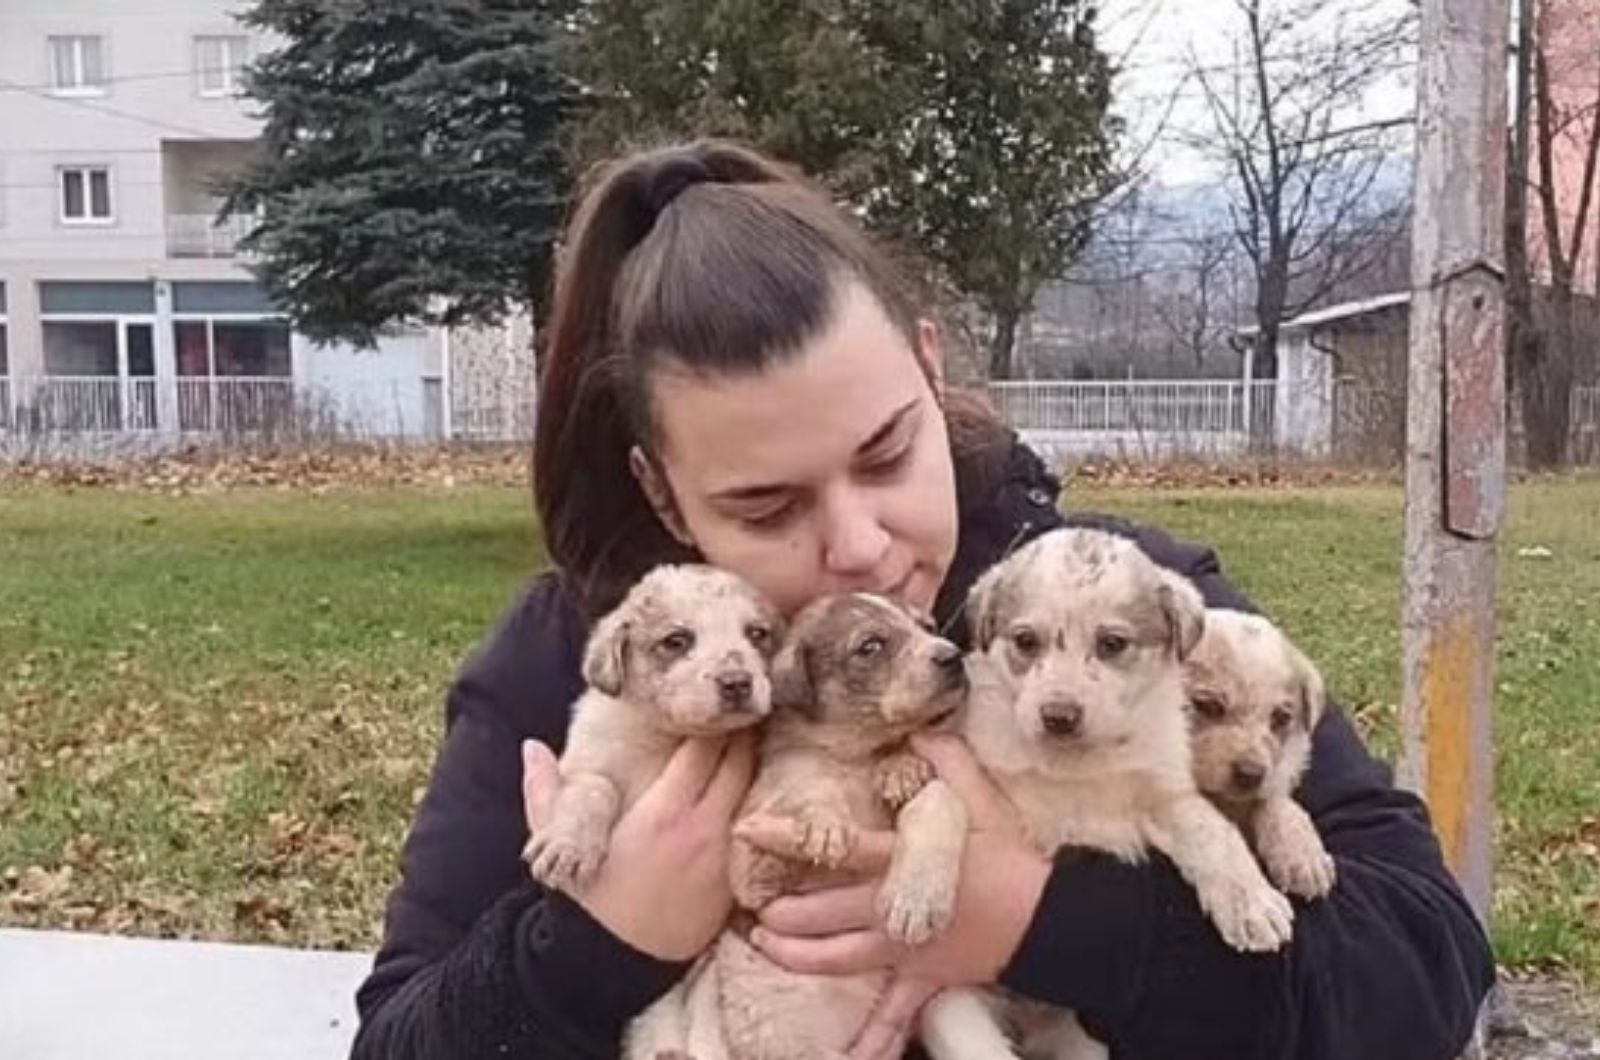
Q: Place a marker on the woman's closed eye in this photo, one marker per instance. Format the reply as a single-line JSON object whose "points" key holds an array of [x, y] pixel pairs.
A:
{"points": [[770, 514], [887, 464]]}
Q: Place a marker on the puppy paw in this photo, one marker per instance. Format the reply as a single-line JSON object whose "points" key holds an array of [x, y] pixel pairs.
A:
{"points": [[824, 838], [914, 908], [1292, 852], [1252, 917], [561, 861], [1305, 871], [899, 777], [756, 876]]}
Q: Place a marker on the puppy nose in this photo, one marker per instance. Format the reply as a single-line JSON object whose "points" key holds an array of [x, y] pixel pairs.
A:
{"points": [[1062, 717], [1247, 776], [734, 688]]}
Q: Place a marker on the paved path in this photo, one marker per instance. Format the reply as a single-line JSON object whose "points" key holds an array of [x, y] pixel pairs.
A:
{"points": [[67, 996]]}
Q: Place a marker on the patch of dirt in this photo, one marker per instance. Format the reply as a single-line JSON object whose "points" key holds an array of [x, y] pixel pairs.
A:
{"points": [[1544, 1018]]}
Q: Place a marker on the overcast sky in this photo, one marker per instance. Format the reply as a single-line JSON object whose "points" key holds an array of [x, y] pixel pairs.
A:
{"points": [[1153, 39]]}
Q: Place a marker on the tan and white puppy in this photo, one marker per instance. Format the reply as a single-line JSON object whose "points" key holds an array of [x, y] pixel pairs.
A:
{"points": [[1254, 699], [686, 653], [1077, 710], [857, 674]]}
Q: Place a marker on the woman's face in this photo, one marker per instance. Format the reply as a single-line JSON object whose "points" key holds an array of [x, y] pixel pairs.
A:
{"points": [[827, 472]]}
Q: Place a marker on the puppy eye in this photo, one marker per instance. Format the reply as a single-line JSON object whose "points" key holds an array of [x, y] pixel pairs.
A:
{"points": [[1282, 718], [758, 635], [1026, 641], [1110, 645], [1209, 707], [677, 642], [870, 646]]}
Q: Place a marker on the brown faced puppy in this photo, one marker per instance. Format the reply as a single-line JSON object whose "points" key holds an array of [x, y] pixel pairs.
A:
{"points": [[1254, 699], [1077, 710], [685, 654], [856, 676]]}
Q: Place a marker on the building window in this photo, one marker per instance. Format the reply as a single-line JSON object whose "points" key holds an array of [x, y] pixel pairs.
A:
{"points": [[257, 349], [85, 195], [219, 64], [80, 347], [78, 66]]}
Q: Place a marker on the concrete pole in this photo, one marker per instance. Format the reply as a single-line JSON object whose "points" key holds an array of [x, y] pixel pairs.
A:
{"points": [[1455, 429]]}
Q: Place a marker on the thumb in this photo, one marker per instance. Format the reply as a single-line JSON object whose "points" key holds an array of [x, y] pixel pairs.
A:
{"points": [[953, 760], [541, 780]]}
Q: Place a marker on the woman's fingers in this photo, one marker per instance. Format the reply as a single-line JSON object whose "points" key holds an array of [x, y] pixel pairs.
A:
{"points": [[541, 780], [782, 836], [846, 954], [830, 912], [688, 772], [953, 760], [893, 1020], [726, 792]]}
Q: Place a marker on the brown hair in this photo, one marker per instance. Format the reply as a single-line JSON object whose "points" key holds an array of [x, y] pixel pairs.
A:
{"points": [[719, 260]]}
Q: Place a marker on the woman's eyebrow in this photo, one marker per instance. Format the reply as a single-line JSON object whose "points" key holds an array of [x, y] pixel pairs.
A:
{"points": [[765, 491], [895, 419]]}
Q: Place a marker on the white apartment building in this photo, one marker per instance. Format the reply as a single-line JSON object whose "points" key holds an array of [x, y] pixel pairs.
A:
{"points": [[123, 306]]}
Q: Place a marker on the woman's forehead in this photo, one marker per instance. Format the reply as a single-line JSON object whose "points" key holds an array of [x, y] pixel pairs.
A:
{"points": [[798, 418]]}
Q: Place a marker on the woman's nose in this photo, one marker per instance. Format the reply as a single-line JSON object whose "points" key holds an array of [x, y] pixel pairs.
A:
{"points": [[854, 541]]}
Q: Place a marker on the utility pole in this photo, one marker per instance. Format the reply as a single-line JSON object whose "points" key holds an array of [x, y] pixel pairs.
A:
{"points": [[1455, 429]]}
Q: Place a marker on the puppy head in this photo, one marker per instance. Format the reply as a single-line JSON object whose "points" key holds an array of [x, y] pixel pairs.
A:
{"points": [[693, 645], [867, 665], [1088, 636], [1254, 699]]}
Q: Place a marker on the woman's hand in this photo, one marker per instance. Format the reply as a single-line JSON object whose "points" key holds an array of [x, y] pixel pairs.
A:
{"points": [[835, 931], [663, 887]]}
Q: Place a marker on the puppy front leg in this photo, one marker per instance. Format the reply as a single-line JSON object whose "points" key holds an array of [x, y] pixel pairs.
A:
{"points": [[919, 892], [896, 778], [567, 852], [1290, 848], [1211, 854]]}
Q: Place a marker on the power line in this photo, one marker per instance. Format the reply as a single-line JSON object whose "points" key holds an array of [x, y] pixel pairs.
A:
{"points": [[100, 108], [15, 86]]}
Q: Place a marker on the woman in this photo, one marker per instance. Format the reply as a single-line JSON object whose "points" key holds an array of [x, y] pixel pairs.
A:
{"points": [[733, 373]]}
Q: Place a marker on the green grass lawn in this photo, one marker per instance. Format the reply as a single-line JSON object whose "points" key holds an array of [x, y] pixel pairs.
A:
{"points": [[217, 710]]}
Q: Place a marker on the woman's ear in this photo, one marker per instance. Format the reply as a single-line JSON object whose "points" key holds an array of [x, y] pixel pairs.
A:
{"points": [[652, 481], [930, 354]]}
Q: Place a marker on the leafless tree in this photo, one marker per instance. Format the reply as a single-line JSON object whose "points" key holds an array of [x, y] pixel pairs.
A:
{"points": [[1307, 207], [1193, 305], [1554, 154]]}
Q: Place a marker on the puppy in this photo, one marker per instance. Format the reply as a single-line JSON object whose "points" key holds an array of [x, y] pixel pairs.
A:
{"points": [[686, 653], [856, 676], [1078, 711], [1254, 699]]}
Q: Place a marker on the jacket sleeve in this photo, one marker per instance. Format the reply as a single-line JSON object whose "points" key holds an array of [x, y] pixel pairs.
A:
{"points": [[476, 960], [1394, 963]]}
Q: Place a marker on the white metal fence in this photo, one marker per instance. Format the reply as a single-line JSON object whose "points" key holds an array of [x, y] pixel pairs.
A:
{"points": [[1132, 419], [1139, 417]]}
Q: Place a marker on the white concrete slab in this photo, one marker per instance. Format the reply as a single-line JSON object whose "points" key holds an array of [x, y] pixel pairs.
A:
{"points": [[67, 996]]}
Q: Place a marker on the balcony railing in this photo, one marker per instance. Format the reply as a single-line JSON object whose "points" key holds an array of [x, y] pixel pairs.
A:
{"points": [[200, 235]]}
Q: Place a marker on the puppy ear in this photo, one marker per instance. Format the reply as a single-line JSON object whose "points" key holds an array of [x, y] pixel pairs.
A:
{"points": [[791, 680], [1185, 612], [983, 605], [605, 656], [1313, 697]]}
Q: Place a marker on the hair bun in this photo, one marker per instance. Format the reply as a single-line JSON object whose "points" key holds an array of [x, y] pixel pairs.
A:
{"points": [[666, 176]]}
